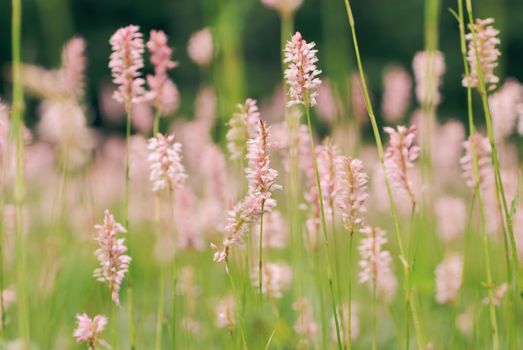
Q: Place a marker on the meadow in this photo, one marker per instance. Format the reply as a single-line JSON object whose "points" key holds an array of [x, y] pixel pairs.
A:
{"points": [[323, 216]]}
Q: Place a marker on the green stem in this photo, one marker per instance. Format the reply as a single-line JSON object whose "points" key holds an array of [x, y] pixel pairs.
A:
{"points": [[17, 118], [324, 228], [113, 327], [349, 314], [374, 317], [159, 314], [260, 253]]}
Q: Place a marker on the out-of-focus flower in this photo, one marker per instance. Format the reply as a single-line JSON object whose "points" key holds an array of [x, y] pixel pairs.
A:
{"points": [[73, 68], [205, 107], [260, 176], [301, 73], [275, 231], [285, 8], [89, 330], [167, 170], [125, 63], [486, 43], [448, 279], [188, 232], [519, 110], [428, 67], [451, 213], [351, 191], [397, 86], [504, 108], [354, 323], [111, 255], [200, 47], [242, 126], [359, 109], [499, 293], [188, 287], [163, 92], [400, 156], [305, 325], [8, 298], [225, 313], [326, 102], [375, 262], [142, 117], [276, 279], [327, 154], [485, 177], [451, 134]]}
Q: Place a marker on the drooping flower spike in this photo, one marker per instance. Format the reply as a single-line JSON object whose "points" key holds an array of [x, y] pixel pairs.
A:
{"points": [[125, 63], [301, 73], [89, 330]]}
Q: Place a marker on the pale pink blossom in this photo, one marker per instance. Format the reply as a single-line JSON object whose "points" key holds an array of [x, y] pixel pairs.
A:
{"points": [[327, 154], [445, 159], [400, 155], [451, 215], [242, 126], [260, 176], [485, 41], [519, 110], [326, 106], [359, 108], [351, 191], [205, 107], [285, 8], [480, 146], [163, 92], [225, 310], [375, 262], [213, 169], [200, 47], [125, 63], [111, 255], [188, 234], [167, 170], [305, 325], [344, 329], [504, 108], [276, 279], [448, 279], [397, 86], [498, 294], [428, 71], [8, 298], [187, 286], [142, 117], [301, 73], [89, 330], [74, 63]]}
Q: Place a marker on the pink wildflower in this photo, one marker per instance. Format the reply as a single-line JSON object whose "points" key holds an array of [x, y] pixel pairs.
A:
{"points": [[200, 47], [225, 313], [486, 44], [485, 177], [428, 69], [125, 63], [167, 170], [397, 85], [504, 108], [276, 279], [399, 157], [499, 293], [354, 326], [242, 126], [301, 73], [448, 279], [89, 330], [164, 92], [451, 214], [285, 8], [326, 155], [73, 68], [111, 255], [305, 325], [351, 191]]}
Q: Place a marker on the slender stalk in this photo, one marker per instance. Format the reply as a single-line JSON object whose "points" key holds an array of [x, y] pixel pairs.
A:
{"points": [[17, 118], [324, 228], [379, 145], [237, 303], [260, 253], [156, 122], [374, 317], [114, 333], [349, 313], [159, 312]]}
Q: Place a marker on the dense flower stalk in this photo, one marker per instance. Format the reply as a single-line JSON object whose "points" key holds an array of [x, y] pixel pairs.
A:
{"points": [[285, 8], [260, 176], [200, 47], [448, 279], [487, 42], [504, 105], [74, 63], [111, 255], [89, 330], [400, 156], [397, 85], [276, 279], [125, 63], [242, 126], [301, 73], [351, 191], [375, 263], [167, 170], [327, 154], [485, 177], [428, 69], [163, 92]]}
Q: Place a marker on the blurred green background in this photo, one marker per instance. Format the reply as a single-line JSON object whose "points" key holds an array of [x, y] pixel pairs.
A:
{"points": [[390, 31]]}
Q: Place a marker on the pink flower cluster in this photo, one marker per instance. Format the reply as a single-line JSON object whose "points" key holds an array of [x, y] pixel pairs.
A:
{"points": [[276, 279], [397, 85], [504, 105], [242, 126], [400, 156], [167, 170], [327, 154], [111, 255], [88, 330], [163, 92], [428, 69], [125, 63], [480, 146], [286, 8], [483, 50], [73, 68], [200, 47], [448, 279], [301, 73], [351, 191]]}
